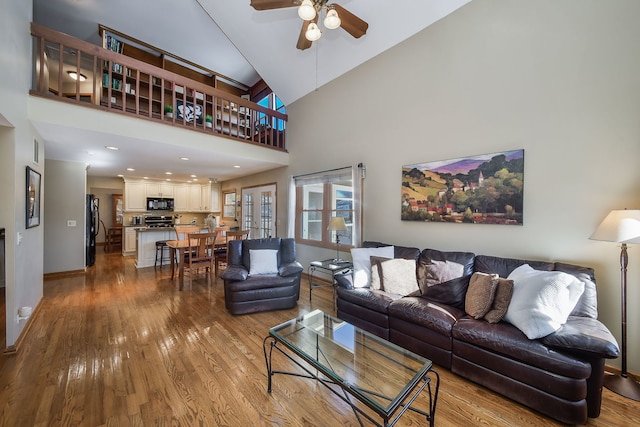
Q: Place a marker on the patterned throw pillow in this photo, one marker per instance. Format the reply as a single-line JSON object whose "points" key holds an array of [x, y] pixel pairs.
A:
{"points": [[500, 301], [399, 276], [480, 294]]}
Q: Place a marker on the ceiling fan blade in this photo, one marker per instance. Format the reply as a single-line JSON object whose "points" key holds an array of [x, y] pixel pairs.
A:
{"points": [[272, 4], [303, 43], [350, 22]]}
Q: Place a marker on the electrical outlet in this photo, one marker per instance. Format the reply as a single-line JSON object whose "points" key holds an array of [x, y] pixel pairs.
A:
{"points": [[71, 223]]}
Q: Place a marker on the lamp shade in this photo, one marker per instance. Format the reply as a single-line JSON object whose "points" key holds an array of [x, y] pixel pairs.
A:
{"points": [[622, 226], [313, 32], [337, 224], [307, 11], [332, 20]]}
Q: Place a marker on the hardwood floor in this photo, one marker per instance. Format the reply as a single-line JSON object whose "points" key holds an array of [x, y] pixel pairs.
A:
{"points": [[124, 347]]}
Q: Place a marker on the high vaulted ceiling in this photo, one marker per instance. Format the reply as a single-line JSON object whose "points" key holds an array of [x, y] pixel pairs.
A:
{"points": [[237, 41]]}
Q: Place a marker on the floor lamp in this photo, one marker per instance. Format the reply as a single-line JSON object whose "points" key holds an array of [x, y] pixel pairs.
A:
{"points": [[621, 226], [337, 224]]}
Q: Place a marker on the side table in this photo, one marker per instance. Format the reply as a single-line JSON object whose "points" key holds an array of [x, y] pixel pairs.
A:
{"points": [[329, 266]]}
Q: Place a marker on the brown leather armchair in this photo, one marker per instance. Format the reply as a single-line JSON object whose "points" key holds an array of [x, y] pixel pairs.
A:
{"points": [[247, 293]]}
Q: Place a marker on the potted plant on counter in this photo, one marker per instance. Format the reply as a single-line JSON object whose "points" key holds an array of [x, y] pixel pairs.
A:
{"points": [[168, 111], [208, 121]]}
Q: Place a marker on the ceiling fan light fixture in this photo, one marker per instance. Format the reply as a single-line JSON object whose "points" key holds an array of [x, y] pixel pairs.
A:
{"points": [[313, 32], [332, 20], [306, 11]]}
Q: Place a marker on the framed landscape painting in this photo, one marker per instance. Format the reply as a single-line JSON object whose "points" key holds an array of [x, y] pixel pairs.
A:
{"points": [[485, 189]]}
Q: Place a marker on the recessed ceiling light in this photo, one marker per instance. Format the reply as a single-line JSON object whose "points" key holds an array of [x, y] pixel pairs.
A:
{"points": [[76, 76], [111, 147], [194, 176], [120, 175], [237, 166], [145, 177], [184, 158], [130, 169], [195, 179], [168, 179], [168, 173]]}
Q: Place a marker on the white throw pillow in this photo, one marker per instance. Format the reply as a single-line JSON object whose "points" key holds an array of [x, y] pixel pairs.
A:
{"points": [[263, 261], [362, 263], [399, 276], [541, 300]]}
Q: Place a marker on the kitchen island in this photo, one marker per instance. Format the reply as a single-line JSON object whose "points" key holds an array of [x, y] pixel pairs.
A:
{"points": [[146, 238]]}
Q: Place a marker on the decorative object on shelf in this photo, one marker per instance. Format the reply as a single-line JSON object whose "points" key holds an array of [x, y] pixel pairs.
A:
{"points": [[484, 189], [621, 226], [208, 120], [337, 224], [309, 11], [188, 111], [168, 111], [32, 198]]}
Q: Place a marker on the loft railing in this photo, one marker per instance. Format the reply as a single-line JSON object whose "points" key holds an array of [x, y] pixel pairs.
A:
{"points": [[114, 82]]}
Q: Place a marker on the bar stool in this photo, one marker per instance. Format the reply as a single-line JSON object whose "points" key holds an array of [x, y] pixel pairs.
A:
{"points": [[160, 246]]}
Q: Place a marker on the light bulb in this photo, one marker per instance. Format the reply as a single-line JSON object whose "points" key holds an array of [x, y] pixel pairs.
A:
{"points": [[332, 20], [307, 11], [313, 32]]}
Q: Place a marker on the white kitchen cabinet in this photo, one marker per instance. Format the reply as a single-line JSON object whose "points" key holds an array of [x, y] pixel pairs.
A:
{"points": [[181, 197], [205, 198], [215, 198], [135, 196], [195, 198], [159, 189], [129, 247]]}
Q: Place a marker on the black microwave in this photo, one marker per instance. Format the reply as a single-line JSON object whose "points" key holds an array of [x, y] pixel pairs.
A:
{"points": [[159, 204]]}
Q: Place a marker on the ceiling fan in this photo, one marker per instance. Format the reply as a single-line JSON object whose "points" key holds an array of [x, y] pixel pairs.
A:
{"points": [[308, 10]]}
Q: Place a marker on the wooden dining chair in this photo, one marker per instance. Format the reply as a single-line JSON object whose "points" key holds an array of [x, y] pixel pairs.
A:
{"points": [[201, 253], [221, 252]]}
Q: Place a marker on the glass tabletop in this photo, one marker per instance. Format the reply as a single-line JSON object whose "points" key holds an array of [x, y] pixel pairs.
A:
{"points": [[332, 264], [379, 373]]}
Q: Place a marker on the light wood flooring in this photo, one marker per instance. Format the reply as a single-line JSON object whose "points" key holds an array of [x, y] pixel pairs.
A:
{"points": [[124, 347]]}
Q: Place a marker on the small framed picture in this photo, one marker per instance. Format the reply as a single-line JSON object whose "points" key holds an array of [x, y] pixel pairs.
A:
{"points": [[32, 198]]}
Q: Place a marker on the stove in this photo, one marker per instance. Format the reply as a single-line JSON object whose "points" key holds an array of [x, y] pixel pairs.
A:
{"points": [[158, 221]]}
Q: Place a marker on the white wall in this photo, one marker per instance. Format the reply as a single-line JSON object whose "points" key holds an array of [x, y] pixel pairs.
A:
{"points": [[23, 260], [64, 246], [558, 79]]}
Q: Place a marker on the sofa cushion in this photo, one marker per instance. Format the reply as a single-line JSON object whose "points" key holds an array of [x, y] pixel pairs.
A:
{"points": [[587, 305], [371, 299], [506, 339], [504, 266], [480, 295], [362, 263], [376, 273], [398, 276], [541, 300], [263, 261], [451, 292], [584, 335], [501, 301], [437, 317]]}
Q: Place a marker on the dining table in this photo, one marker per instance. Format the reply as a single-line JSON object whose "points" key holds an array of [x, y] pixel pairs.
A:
{"points": [[180, 246]]}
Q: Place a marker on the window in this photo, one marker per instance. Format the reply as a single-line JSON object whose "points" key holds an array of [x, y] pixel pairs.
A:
{"points": [[321, 196], [273, 102]]}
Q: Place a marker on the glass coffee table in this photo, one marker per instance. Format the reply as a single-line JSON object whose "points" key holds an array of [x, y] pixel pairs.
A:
{"points": [[375, 377]]}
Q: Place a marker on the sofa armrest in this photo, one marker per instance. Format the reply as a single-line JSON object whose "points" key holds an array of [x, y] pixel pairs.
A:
{"points": [[584, 335], [235, 272], [344, 279], [290, 269]]}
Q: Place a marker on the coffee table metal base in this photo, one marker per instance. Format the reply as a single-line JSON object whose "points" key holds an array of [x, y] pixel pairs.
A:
{"points": [[344, 392]]}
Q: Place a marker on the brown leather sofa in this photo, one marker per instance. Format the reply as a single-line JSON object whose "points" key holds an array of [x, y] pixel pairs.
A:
{"points": [[245, 293], [560, 375]]}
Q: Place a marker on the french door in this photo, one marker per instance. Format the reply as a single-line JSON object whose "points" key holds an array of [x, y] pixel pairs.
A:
{"points": [[259, 211]]}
